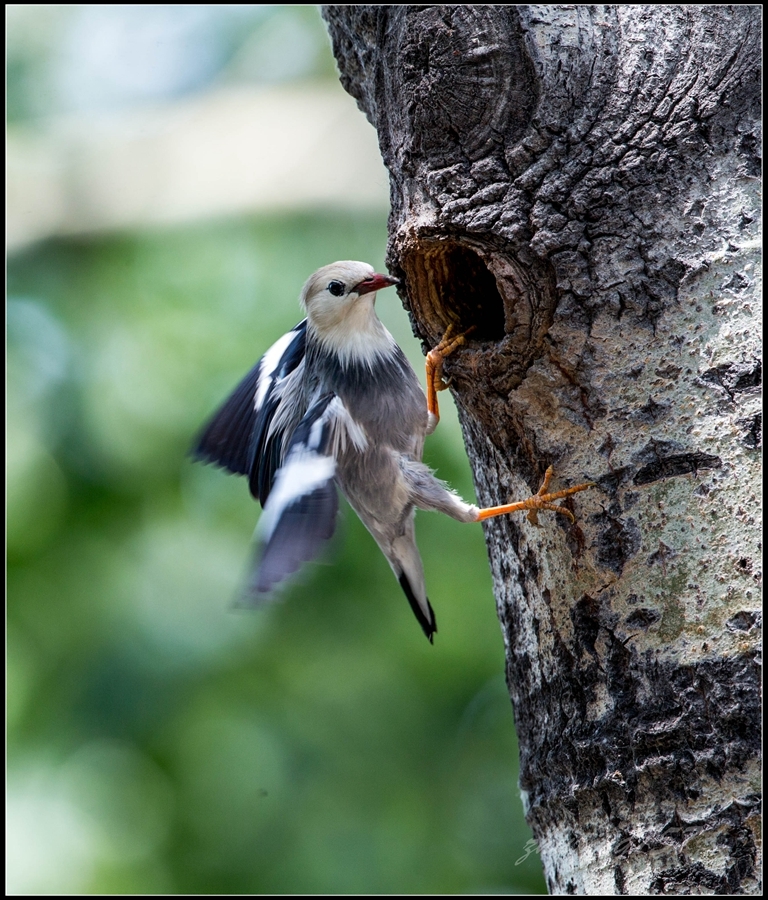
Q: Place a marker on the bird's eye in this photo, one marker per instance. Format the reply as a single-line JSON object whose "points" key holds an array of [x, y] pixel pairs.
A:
{"points": [[336, 288]]}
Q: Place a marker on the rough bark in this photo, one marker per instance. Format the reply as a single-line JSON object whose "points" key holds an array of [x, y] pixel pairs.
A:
{"points": [[581, 185]]}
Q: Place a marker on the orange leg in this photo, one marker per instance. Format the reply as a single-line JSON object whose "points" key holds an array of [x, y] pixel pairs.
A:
{"points": [[435, 382], [540, 500]]}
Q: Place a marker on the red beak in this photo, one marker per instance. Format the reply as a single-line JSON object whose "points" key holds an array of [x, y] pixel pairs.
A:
{"points": [[375, 283]]}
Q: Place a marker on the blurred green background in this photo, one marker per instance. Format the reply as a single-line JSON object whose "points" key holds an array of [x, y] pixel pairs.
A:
{"points": [[160, 740]]}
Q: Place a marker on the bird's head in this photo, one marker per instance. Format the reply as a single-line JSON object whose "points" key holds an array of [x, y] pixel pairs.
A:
{"points": [[339, 301], [333, 291]]}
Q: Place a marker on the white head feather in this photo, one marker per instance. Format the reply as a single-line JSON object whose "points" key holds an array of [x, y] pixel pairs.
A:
{"points": [[343, 320]]}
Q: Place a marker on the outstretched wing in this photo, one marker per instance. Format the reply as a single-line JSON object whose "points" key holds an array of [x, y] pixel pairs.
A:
{"points": [[300, 514], [239, 437]]}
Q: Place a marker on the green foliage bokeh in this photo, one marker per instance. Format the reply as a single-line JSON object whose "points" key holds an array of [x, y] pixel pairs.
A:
{"points": [[161, 739]]}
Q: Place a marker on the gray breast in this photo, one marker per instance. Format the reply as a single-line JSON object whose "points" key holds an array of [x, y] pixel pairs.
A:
{"points": [[385, 397]]}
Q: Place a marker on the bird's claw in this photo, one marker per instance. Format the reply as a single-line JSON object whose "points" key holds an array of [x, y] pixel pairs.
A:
{"points": [[435, 359], [539, 501]]}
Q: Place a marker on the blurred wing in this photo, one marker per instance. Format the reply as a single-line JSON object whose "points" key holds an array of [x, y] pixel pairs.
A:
{"points": [[236, 438], [300, 515]]}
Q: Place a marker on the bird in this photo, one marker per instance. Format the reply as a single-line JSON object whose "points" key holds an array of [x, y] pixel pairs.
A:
{"points": [[334, 405]]}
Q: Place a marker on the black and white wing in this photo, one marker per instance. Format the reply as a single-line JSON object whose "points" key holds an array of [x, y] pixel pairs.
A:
{"points": [[300, 514], [240, 436]]}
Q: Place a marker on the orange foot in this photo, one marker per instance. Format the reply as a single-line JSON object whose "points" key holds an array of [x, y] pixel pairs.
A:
{"points": [[435, 382], [540, 500]]}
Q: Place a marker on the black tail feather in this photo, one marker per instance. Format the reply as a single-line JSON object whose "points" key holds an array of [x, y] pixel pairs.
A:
{"points": [[428, 625]]}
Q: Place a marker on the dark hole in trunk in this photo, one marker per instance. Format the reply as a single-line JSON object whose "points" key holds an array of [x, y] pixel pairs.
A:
{"points": [[470, 291], [450, 284]]}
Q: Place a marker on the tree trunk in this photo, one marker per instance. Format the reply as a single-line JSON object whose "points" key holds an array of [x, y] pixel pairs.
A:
{"points": [[580, 184]]}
